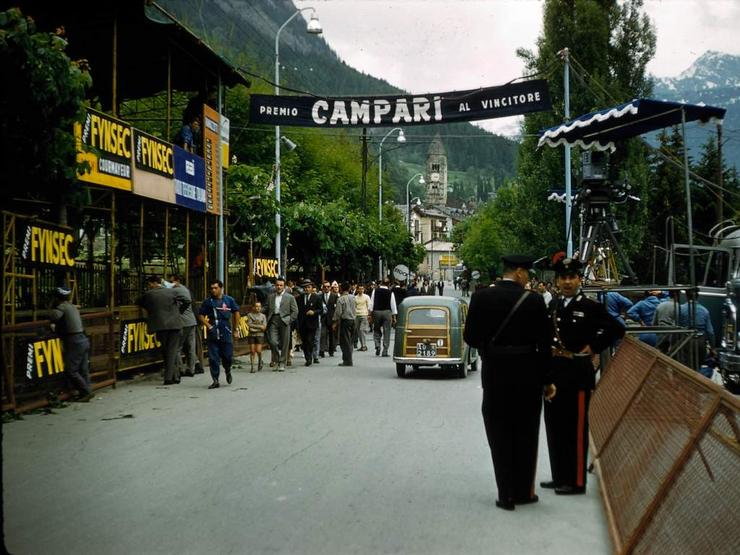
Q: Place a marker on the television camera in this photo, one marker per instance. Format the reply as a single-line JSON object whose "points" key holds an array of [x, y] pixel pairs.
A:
{"points": [[596, 198]]}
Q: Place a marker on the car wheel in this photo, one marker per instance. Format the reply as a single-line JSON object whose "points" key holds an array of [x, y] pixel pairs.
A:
{"points": [[401, 370], [462, 370]]}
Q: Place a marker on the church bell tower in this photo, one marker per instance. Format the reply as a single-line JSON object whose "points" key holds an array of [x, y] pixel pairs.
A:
{"points": [[436, 174]]}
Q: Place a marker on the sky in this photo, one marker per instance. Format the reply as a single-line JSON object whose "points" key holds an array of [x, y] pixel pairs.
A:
{"points": [[428, 46]]}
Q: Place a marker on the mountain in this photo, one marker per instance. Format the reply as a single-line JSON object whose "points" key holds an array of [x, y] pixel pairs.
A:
{"points": [[714, 79], [244, 32]]}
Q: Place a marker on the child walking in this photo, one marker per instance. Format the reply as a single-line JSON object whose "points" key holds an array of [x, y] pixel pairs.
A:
{"points": [[257, 324]]}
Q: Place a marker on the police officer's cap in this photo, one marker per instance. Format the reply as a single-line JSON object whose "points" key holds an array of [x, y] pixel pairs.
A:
{"points": [[518, 261], [568, 267], [62, 291]]}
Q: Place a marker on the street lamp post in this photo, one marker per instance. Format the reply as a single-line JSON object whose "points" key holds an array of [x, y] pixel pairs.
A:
{"points": [[408, 198], [314, 28], [401, 139]]}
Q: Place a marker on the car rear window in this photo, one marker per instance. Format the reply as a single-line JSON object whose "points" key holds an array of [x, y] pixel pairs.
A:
{"points": [[428, 317]]}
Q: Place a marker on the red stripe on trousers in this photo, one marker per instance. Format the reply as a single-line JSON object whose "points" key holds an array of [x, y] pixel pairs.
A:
{"points": [[580, 455]]}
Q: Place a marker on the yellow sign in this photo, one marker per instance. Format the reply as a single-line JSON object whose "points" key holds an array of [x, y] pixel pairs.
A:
{"points": [[105, 144], [48, 246], [44, 358], [448, 260], [135, 338], [211, 132], [266, 267], [225, 125]]}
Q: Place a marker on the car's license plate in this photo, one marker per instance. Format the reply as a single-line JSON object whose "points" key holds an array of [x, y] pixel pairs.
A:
{"points": [[426, 350]]}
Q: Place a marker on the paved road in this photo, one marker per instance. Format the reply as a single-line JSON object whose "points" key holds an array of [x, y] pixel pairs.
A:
{"points": [[320, 460]]}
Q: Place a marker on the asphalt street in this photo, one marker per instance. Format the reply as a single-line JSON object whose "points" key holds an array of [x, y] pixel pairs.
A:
{"points": [[319, 460]]}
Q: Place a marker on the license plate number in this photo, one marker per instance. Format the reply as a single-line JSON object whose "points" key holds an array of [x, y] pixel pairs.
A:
{"points": [[426, 350]]}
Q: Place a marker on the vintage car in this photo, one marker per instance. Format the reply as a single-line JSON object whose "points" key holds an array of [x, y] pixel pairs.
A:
{"points": [[429, 332]]}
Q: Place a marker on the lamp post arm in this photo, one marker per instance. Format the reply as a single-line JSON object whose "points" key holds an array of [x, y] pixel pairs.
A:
{"points": [[277, 45]]}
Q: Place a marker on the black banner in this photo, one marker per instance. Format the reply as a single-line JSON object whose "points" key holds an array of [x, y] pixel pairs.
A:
{"points": [[42, 358], [153, 155], [48, 245], [135, 338], [377, 111]]}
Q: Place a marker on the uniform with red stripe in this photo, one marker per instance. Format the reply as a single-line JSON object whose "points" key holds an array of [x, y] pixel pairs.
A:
{"points": [[581, 328]]}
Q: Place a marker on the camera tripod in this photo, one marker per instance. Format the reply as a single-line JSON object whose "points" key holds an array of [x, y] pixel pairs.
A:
{"points": [[598, 243]]}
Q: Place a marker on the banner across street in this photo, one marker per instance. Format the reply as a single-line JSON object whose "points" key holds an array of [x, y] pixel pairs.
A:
{"points": [[378, 111]]}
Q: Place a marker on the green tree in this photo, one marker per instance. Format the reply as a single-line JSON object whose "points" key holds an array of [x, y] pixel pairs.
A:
{"points": [[707, 198], [39, 104], [609, 45]]}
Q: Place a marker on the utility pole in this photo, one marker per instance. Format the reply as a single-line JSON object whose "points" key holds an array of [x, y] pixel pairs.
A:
{"points": [[720, 206], [566, 93], [363, 189]]}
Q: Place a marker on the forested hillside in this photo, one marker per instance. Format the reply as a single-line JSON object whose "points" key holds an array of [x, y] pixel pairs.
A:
{"points": [[244, 32]]}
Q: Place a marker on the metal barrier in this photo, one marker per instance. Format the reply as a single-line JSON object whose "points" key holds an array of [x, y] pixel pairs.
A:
{"points": [[666, 445]]}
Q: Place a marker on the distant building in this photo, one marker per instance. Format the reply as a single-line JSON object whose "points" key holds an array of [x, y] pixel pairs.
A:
{"points": [[436, 173], [431, 221]]}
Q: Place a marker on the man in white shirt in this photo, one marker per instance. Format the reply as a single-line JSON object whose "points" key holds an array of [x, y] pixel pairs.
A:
{"points": [[383, 311]]}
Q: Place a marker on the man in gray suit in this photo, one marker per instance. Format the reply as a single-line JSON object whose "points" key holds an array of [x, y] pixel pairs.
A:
{"points": [[188, 338], [164, 308], [282, 311]]}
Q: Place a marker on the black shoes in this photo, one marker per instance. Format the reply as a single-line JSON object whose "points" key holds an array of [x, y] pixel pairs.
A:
{"points": [[199, 368], [506, 505], [307, 363], [316, 360], [229, 379], [385, 353], [321, 354], [377, 351], [214, 385], [171, 382], [527, 501], [188, 374], [570, 490], [344, 364], [548, 485]]}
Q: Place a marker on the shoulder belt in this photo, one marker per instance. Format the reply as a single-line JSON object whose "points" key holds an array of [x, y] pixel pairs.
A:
{"points": [[508, 317]]}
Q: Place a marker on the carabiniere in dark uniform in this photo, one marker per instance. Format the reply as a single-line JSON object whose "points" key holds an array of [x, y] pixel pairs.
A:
{"points": [[581, 328], [510, 328]]}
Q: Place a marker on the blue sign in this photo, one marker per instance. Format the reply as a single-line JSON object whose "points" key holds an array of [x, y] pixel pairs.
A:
{"points": [[190, 180]]}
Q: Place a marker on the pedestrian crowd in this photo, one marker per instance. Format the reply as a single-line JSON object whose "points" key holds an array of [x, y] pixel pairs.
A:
{"points": [[293, 317]]}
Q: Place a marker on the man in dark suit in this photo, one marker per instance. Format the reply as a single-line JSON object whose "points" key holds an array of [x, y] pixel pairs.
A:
{"points": [[164, 308], [582, 328], [282, 311], [328, 338], [510, 328], [310, 308]]}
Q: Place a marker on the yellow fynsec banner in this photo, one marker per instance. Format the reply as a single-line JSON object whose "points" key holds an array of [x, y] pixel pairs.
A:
{"points": [[266, 267], [104, 142], [211, 130]]}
